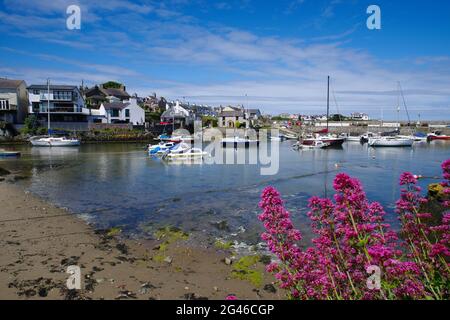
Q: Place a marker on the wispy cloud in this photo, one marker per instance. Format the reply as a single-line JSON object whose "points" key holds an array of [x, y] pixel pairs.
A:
{"points": [[155, 46]]}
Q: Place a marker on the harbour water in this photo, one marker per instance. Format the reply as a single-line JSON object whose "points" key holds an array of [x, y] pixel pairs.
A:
{"points": [[114, 185]]}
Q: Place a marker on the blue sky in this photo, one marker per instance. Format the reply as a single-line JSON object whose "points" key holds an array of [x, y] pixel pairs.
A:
{"points": [[279, 53]]}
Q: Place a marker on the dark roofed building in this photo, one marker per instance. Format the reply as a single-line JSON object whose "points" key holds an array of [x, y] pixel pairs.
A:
{"points": [[97, 95]]}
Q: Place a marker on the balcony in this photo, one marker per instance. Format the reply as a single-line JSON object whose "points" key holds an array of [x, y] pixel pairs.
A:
{"points": [[58, 109], [56, 96]]}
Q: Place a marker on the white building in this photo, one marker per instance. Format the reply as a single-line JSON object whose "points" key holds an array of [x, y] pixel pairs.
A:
{"points": [[357, 116], [65, 103], [119, 112]]}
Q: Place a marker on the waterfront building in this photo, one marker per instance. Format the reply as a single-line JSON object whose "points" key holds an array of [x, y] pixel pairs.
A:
{"points": [[231, 117], [98, 94], [65, 103], [13, 100], [357, 116], [117, 112], [177, 115]]}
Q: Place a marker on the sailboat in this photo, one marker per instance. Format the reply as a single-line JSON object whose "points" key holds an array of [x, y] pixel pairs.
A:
{"points": [[325, 135], [49, 141], [394, 141]]}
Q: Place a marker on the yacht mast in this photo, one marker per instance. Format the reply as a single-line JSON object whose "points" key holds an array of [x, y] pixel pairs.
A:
{"points": [[48, 105], [328, 102]]}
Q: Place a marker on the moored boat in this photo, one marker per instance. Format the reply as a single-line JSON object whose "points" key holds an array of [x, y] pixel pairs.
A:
{"points": [[390, 142], [237, 141], [437, 135], [333, 141], [9, 154], [54, 142], [192, 153], [161, 148], [317, 144]]}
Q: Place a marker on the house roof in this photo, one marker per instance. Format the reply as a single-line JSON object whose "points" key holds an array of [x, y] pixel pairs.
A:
{"points": [[115, 105], [97, 91], [52, 87], [236, 113], [9, 84]]}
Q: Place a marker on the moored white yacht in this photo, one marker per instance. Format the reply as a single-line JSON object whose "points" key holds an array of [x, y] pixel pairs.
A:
{"points": [[390, 142], [54, 142]]}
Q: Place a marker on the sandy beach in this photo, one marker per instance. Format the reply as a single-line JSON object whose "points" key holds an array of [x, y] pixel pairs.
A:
{"points": [[39, 241]]}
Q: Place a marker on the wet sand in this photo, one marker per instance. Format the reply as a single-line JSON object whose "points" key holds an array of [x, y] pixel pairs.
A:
{"points": [[39, 241]]}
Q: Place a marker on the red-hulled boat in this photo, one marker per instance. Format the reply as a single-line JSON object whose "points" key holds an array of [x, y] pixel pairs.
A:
{"points": [[326, 138], [438, 136], [324, 135]]}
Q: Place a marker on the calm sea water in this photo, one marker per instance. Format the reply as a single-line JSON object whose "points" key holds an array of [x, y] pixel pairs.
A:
{"points": [[119, 185]]}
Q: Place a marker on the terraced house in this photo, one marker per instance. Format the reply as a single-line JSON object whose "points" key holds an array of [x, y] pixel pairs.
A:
{"points": [[13, 101]]}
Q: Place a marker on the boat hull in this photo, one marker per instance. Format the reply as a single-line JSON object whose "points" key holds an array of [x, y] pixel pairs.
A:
{"points": [[391, 142], [9, 154], [333, 142], [444, 138], [68, 143]]}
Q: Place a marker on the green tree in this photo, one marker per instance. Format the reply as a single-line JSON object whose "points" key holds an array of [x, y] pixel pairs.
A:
{"points": [[31, 125]]}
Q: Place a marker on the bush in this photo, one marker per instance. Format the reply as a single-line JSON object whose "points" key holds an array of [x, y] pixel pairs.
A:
{"points": [[31, 125], [352, 239]]}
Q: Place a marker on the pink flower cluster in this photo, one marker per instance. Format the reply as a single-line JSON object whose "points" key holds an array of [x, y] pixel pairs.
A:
{"points": [[351, 236]]}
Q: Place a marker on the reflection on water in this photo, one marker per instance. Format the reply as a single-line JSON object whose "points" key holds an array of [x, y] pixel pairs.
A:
{"points": [[118, 184]]}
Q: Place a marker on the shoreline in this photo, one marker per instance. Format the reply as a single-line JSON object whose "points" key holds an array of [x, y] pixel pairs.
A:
{"points": [[39, 241]]}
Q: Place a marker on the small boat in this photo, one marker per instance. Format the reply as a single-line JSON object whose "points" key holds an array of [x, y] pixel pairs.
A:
{"points": [[161, 148], [179, 148], [9, 154], [237, 141], [192, 153], [288, 136], [276, 138], [330, 139], [54, 142], [437, 135], [318, 144], [390, 142], [365, 137], [166, 138], [417, 137]]}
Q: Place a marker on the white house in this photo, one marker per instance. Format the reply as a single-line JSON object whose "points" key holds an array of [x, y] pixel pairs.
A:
{"points": [[120, 112], [65, 103], [360, 116], [178, 115]]}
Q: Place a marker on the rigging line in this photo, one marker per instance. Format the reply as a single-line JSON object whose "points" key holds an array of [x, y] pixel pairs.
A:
{"points": [[335, 102], [404, 102]]}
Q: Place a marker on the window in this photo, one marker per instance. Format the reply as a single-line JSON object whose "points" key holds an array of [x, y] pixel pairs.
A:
{"points": [[36, 91], [4, 104], [127, 113], [115, 113]]}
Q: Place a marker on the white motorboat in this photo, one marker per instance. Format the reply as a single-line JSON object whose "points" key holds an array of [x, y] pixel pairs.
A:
{"points": [[179, 148], [353, 139], [317, 144], [290, 136], [54, 142], [192, 153], [161, 148], [390, 142], [237, 141]]}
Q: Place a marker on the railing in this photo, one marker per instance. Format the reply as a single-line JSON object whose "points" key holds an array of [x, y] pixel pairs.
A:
{"points": [[59, 109], [56, 97]]}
